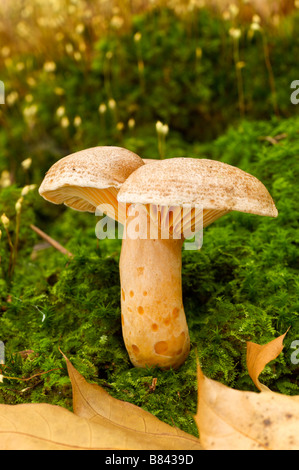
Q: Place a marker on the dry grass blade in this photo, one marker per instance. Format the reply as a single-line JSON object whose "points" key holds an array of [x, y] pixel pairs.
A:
{"points": [[51, 241]]}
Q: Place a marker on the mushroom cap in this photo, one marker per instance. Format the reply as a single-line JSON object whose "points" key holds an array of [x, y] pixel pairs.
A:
{"points": [[194, 182], [96, 168]]}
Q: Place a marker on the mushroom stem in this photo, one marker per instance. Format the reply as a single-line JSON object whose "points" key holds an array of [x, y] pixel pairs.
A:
{"points": [[154, 324]]}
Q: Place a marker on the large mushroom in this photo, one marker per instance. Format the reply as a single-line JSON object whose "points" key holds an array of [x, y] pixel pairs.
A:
{"points": [[172, 195], [90, 179]]}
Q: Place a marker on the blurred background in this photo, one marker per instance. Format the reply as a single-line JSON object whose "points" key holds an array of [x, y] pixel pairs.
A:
{"points": [[83, 73], [163, 78]]}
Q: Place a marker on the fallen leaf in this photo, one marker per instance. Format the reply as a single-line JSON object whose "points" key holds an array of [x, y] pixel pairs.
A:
{"points": [[92, 402], [239, 420], [230, 419], [50, 427], [47, 427], [259, 355]]}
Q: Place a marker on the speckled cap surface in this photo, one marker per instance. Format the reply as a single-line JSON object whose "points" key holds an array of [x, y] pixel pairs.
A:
{"points": [[204, 183], [97, 167]]}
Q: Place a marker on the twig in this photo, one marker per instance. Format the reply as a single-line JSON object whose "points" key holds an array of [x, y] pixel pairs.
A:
{"points": [[51, 241], [32, 377], [270, 139], [273, 140]]}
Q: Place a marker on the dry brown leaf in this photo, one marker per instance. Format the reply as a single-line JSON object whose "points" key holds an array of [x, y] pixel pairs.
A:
{"points": [[50, 427], [230, 419], [237, 420], [259, 355], [92, 402]]}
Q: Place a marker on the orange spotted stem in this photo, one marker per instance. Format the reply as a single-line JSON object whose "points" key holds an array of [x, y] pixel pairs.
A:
{"points": [[154, 325]]}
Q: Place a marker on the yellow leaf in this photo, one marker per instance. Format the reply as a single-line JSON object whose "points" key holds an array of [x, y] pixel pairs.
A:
{"points": [[229, 419], [140, 427], [258, 356], [50, 427]]}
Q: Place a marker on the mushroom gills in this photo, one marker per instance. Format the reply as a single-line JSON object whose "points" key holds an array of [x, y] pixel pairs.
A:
{"points": [[89, 199], [178, 222]]}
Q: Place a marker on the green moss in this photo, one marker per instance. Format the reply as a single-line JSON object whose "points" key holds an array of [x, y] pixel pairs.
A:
{"points": [[247, 283], [242, 285]]}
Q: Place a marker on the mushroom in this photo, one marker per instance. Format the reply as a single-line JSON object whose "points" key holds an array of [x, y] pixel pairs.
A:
{"points": [[90, 178], [159, 205], [171, 196]]}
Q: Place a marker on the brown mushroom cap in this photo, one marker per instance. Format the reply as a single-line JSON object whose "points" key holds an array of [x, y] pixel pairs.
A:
{"points": [[193, 182], [87, 178]]}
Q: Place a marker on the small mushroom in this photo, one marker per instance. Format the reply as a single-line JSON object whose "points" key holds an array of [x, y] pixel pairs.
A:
{"points": [[170, 195], [90, 178]]}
